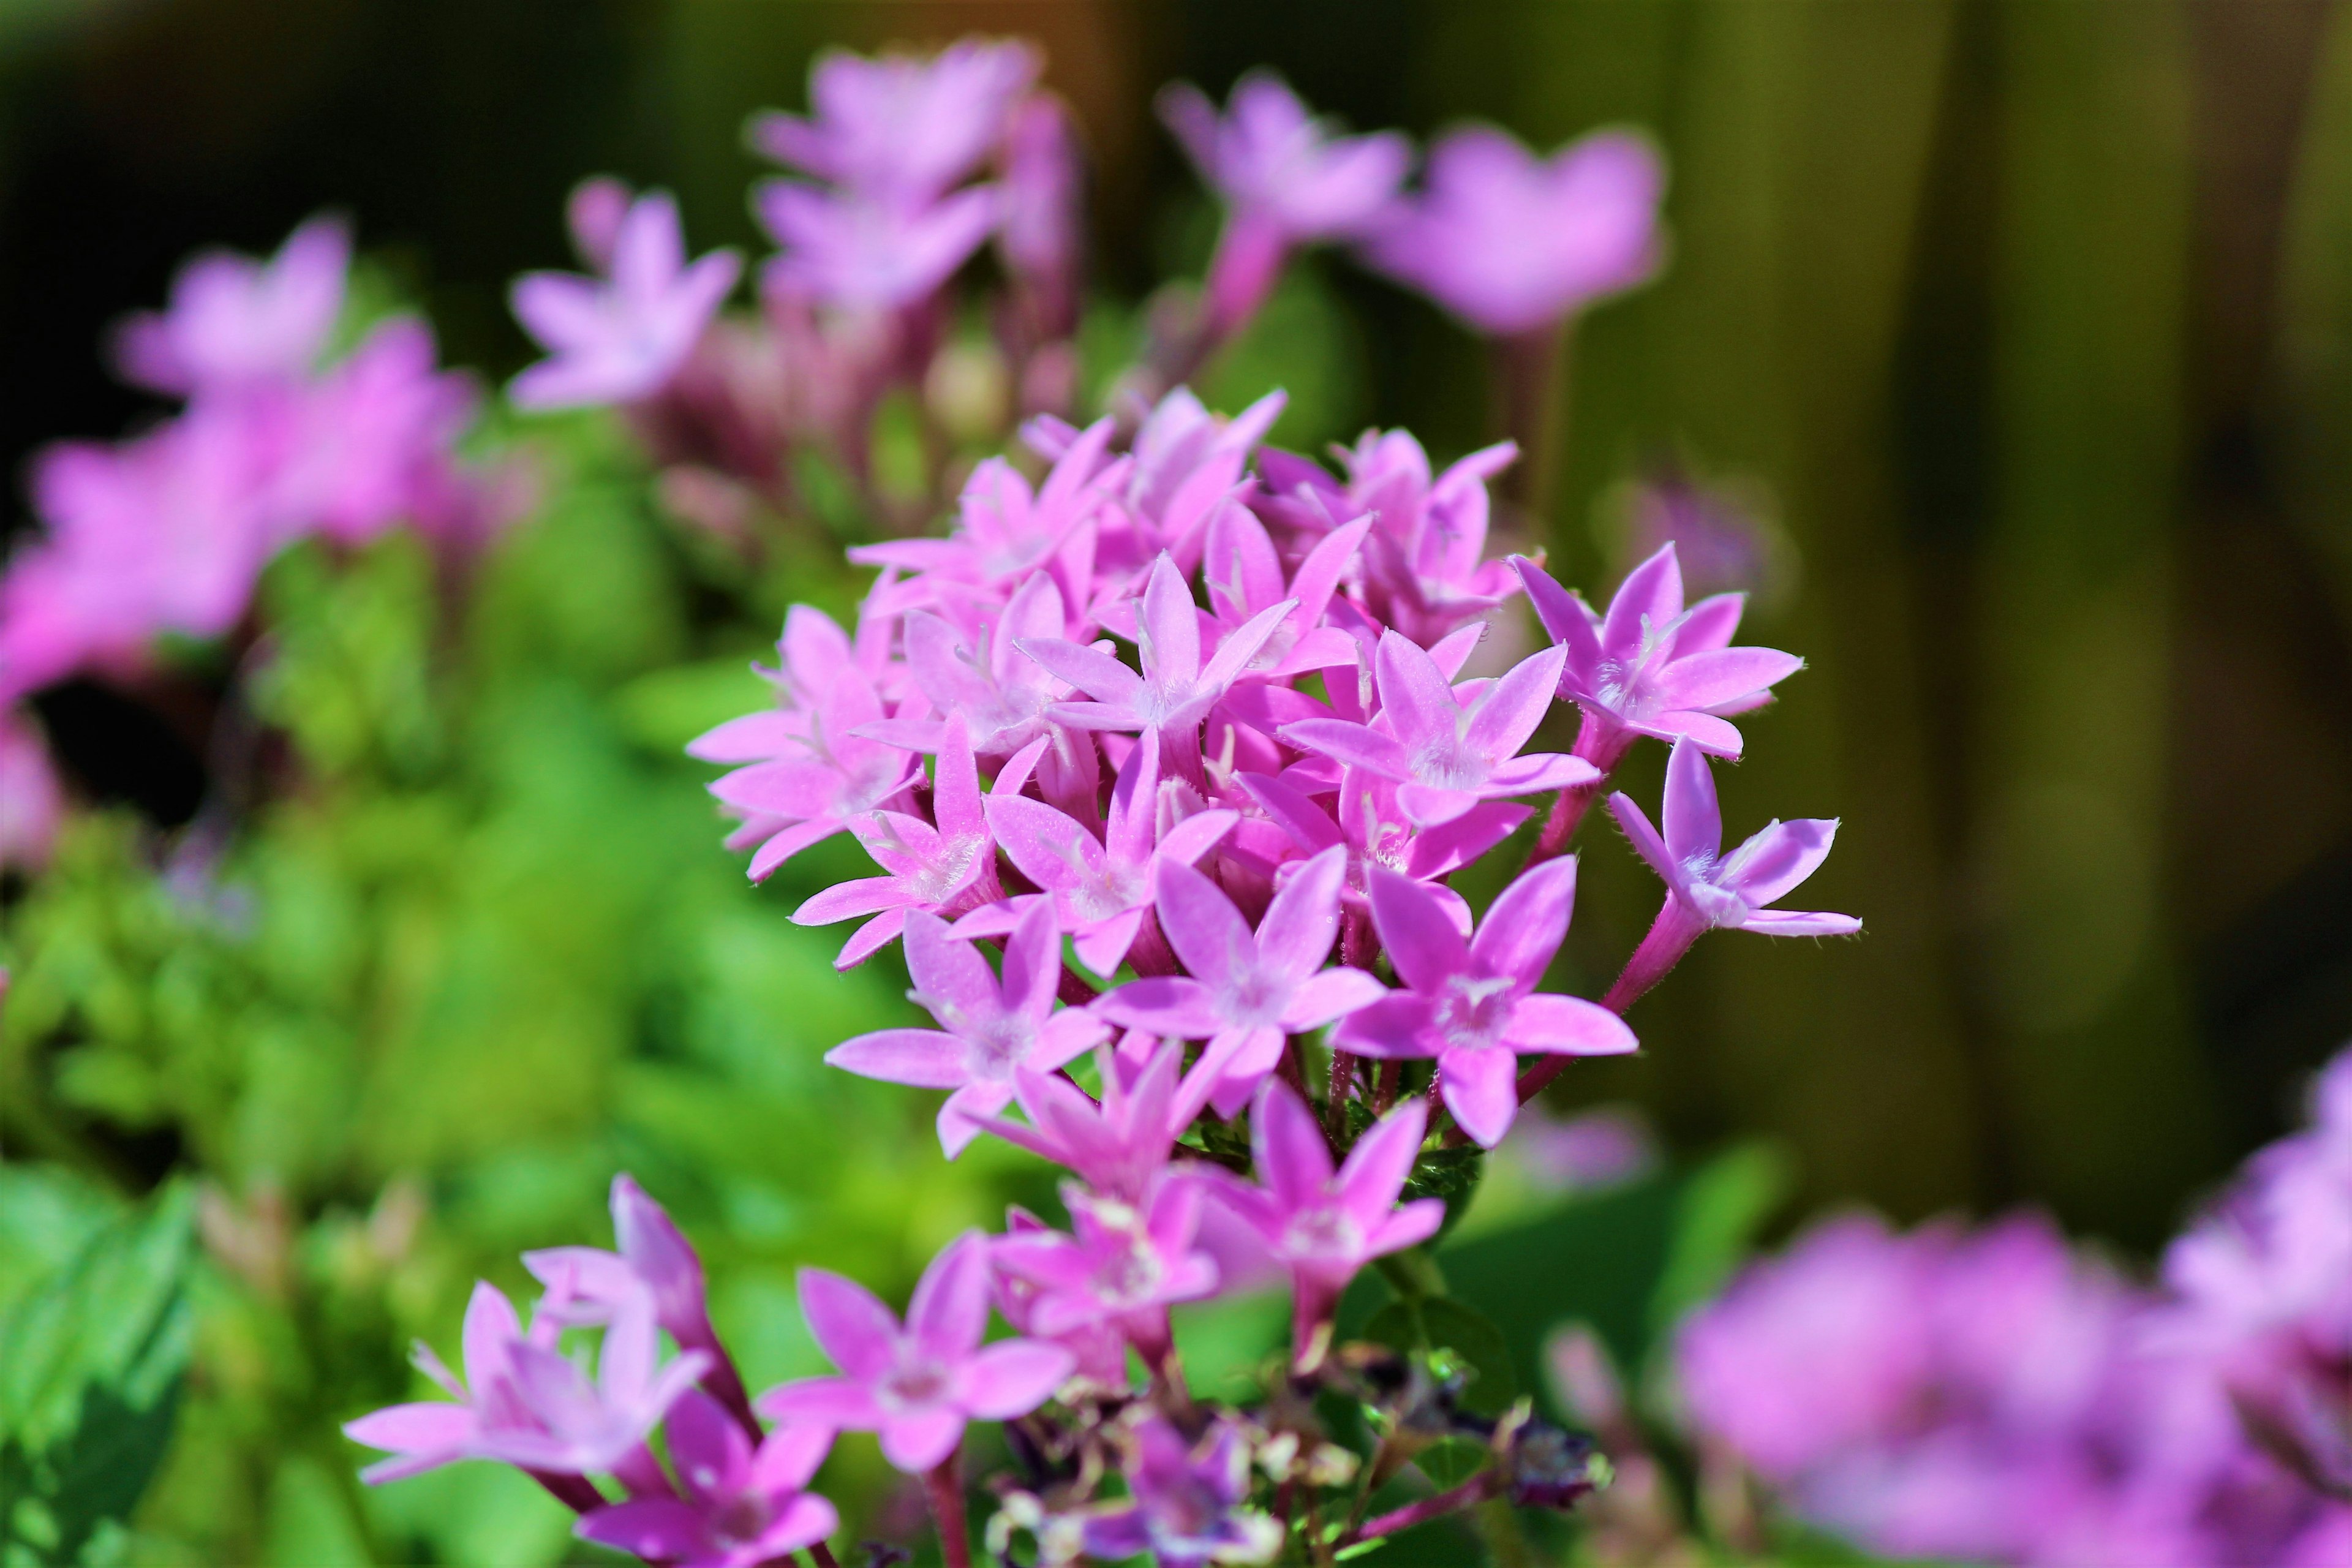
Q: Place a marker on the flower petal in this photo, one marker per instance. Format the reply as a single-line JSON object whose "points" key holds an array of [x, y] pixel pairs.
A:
{"points": [[1568, 1026], [1421, 940], [849, 1323], [1014, 1378], [919, 1058], [1480, 1087]]}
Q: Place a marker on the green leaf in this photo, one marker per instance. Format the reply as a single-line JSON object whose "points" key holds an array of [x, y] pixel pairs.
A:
{"points": [[90, 1362], [1476, 1342]]}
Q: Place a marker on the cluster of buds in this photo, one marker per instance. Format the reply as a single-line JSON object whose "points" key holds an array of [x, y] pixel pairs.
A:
{"points": [[165, 535], [1188, 737]]}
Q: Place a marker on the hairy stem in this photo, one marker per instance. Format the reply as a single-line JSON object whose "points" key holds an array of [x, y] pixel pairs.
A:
{"points": [[943, 1486]]}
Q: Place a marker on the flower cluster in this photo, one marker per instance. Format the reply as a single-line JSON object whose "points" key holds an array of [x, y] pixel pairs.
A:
{"points": [[1992, 1396], [281, 438], [1164, 755]]}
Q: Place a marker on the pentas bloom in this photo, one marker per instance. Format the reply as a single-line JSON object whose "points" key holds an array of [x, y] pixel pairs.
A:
{"points": [[916, 1384], [742, 1505], [235, 322], [1473, 1005], [1706, 889], [1652, 666], [1125, 1265], [1185, 1502], [1325, 1226], [1101, 889], [1447, 748], [988, 1030], [1512, 243], [621, 337], [525, 1403], [1252, 990], [1286, 179], [1122, 1144], [900, 128]]}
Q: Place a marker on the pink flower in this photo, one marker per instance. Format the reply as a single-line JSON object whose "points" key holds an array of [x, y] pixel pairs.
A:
{"points": [[810, 770], [622, 338], [1324, 1227], [1006, 533], [1473, 1005], [1245, 994], [1448, 748], [742, 1505], [1121, 1146], [1100, 1353], [234, 323], [1176, 689], [1100, 889], [32, 802], [1510, 243], [1372, 827], [846, 249], [919, 1383], [989, 1029], [1125, 1265], [1706, 889], [938, 867], [1286, 178], [1653, 667], [369, 443], [526, 1404], [655, 1264], [900, 128]]}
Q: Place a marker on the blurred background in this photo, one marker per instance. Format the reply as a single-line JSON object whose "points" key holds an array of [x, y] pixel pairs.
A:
{"points": [[2028, 327]]}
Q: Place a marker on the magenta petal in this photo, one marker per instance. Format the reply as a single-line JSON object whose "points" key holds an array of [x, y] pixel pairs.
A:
{"points": [[1330, 994], [848, 901], [1051, 849], [1011, 1379], [1356, 745], [430, 1427], [1411, 1226], [1651, 592], [1515, 706], [801, 1523], [1287, 1146], [1525, 926], [922, 1441], [919, 1058], [1569, 1025], [951, 979], [1421, 940], [1201, 924], [1480, 1087], [1709, 680], [1168, 1005], [849, 1323], [835, 1403], [659, 1530], [1778, 858], [788, 1458], [1646, 840], [1104, 947], [1793, 922], [1375, 1170], [1692, 821], [1296, 935], [1708, 732], [949, 1312], [963, 1114], [1195, 835], [1392, 1028]]}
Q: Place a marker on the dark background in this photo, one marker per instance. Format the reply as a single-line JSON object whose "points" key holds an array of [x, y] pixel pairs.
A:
{"points": [[2033, 320]]}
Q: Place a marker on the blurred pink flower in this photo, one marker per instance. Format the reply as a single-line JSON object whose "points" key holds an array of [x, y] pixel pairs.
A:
{"points": [[846, 249], [899, 127], [741, 1506], [1510, 243], [234, 323], [621, 337]]}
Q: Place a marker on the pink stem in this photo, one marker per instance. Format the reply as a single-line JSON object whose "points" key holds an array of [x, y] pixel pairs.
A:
{"points": [[1477, 1490], [943, 1485], [822, 1555], [1671, 936], [1603, 742]]}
